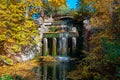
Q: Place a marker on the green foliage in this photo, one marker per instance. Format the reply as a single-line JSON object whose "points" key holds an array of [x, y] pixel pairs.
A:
{"points": [[85, 7], [118, 71], [17, 77], [111, 48], [101, 62], [100, 65], [51, 35], [94, 67], [14, 26], [9, 77], [53, 29], [6, 77], [63, 10], [45, 54], [6, 60]]}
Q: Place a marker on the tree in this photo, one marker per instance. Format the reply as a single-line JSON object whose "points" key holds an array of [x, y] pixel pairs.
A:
{"points": [[62, 10], [16, 24], [16, 29], [102, 60], [52, 6], [57, 3]]}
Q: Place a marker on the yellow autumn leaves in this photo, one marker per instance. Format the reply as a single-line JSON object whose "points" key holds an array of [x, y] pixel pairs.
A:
{"points": [[58, 3], [23, 70], [14, 26]]}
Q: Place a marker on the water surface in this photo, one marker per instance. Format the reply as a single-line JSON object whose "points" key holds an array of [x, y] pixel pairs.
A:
{"points": [[54, 71]]}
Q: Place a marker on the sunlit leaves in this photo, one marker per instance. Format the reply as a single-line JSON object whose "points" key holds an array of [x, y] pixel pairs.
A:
{"points": [[2, 37], [62, 10], [6, 60], [14, 27], [58, 3]]}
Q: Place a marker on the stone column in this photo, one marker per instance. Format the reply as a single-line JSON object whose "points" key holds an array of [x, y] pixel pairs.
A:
{"points": [[73, 44], [45, 47], [54, 47]]}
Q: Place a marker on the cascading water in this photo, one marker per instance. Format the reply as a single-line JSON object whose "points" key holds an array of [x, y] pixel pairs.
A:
{"points": [[60, 44], [63, 44], [63, 48]]}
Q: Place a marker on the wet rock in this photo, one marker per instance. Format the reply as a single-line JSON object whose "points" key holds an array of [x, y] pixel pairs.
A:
{"points": [[47, 59], [62, 59]]}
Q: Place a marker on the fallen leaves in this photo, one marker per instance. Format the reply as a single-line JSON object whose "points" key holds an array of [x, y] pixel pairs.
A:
{"points": [[22, 69], [47, 59]]}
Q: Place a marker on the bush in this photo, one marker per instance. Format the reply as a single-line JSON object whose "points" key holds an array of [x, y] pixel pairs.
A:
{"points": [[6, 77], [102, 65], [9, 77]]}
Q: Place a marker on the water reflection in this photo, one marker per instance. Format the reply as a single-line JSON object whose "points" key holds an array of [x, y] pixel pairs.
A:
{"points": [[53, 71]]}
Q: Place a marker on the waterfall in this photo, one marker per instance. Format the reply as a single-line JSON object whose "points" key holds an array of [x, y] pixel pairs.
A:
{"points": [[64, 46], [60, 45]]}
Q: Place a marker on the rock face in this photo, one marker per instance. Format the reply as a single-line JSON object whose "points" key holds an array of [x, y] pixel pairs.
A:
{"points": [[26, 53], [29, 52], [42, 29]]}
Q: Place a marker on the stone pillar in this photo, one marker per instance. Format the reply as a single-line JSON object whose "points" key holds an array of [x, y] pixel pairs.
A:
{"points": [[73, 44], [45, 47], [54, 47]]}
